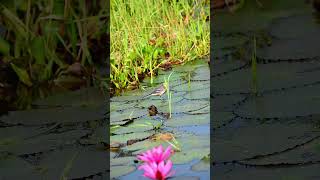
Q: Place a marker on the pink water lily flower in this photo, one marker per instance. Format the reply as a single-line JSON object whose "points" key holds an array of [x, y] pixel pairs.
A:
{"points": [[157, 171], [156, 155]]}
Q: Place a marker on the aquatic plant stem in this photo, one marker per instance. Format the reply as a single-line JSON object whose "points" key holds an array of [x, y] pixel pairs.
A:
{"points": [[254, 67], [68, 167], [170, 108], [189, 81], [169, 94]]}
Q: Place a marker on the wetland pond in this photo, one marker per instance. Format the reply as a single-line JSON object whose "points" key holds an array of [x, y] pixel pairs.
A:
{"points": [[134, 131], [57, 139], [273, 134]]}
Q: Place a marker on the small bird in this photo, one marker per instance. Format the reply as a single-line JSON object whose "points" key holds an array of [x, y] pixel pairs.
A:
{"points": [[152, 110], [157, 92]]}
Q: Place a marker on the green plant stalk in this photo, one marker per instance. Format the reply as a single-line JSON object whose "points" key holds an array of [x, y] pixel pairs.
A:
{"points": [[68, 167], [168, 83], [169, 94], [151, 71], [254, 67], [189, 81], [170, 105]]}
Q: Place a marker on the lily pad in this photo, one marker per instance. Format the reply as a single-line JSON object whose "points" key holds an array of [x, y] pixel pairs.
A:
{"points": [[202, 73], [123, 138], [10, 165], [121, 106], [122, 161], [241, 81], [235, 172], [141, 125], [253, 138], [279, 27], [82, 97], [229, 42], [193, 147], [202, 165], [226, 102], [187, 120], [305, 153], [294, 49], [14, 135], [222, 119], [226, 66], [48, 116], [194, 86], [198, 94], [253, 17], [291, 103], [188, 106], [99, 135], [73, 163], [116, 171], [132, 113], [45, 142]]}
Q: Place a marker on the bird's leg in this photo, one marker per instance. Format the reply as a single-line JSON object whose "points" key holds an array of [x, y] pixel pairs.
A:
{"points": [[162, 98]]}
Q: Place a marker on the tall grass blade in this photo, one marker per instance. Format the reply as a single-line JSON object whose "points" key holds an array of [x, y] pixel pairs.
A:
{"points": [[19, 26], [22, 74], [37, 49]]}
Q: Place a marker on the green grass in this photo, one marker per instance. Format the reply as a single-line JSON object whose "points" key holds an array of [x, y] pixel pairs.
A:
{"points": [[144, 34]]}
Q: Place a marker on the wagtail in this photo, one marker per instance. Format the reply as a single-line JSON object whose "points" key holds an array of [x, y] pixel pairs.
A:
{"points": [[157, 92]]}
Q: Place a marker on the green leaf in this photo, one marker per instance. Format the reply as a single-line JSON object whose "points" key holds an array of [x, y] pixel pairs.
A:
{"points": [[22, 74], [73, 37], [37, 49], [17, 46], [58, 7], [16, 22], [4, 47]]}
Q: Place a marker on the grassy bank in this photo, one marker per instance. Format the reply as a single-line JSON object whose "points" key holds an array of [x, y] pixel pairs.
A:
{"points": [[146, 35]]}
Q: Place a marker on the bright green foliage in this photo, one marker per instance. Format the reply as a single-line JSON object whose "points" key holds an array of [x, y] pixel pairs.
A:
{"points": [[148, 33]]}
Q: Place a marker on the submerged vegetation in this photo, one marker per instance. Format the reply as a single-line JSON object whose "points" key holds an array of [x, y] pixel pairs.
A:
{"points": [[50, 45], [156, 36]]}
